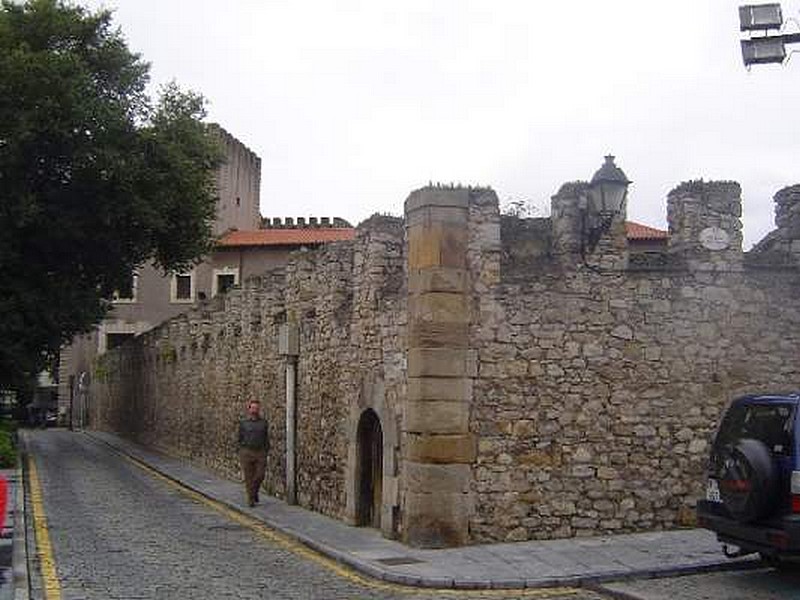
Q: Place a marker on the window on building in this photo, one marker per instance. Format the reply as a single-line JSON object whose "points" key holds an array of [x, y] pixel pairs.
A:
{"points": [[116, 339], [128, 293], [225, 282], [182, 289], [224, 279]]}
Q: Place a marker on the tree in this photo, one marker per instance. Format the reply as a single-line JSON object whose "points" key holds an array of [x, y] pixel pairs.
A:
{"points": [[95, 179], [522, 209]]}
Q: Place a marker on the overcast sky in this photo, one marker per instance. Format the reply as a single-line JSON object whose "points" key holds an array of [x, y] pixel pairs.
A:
{"points": [[353, 104]]}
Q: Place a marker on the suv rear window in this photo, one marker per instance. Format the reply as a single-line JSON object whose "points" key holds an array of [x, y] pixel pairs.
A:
{"points": [[769, 423]]}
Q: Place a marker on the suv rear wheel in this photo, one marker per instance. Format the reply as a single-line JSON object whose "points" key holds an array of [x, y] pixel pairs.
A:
{"points": [[748, 480]]}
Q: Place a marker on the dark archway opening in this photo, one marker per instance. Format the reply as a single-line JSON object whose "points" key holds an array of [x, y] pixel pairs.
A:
{"points": [[370, 470]]}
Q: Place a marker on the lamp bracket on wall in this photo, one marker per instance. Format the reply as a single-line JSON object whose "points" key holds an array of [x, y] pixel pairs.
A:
{"points": [[602, 201]]}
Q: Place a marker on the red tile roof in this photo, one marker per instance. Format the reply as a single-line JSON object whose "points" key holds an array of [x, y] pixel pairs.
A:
{"points": [[323, 235], [286, 237], [637, 232]]}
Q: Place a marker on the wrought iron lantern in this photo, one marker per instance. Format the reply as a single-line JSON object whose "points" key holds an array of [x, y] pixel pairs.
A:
{"points": [[603, 201]]}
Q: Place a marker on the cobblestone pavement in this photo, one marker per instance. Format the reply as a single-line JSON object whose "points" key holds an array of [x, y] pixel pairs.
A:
{"points": [[118, 531], [758, 584]]}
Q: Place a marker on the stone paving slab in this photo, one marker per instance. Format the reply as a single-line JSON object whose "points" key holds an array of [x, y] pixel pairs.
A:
{"points": [[516, 565]]}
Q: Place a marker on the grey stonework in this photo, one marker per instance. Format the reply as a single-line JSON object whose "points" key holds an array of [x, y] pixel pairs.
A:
{"points": [[183, 385], [781, 246], [524, 390], [697, 205]]}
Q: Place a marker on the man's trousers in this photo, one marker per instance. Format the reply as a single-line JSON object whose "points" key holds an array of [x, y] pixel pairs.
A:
{"points": [[254, 465]]}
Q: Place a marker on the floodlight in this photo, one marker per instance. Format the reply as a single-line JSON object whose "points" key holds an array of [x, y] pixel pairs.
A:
{"points": [[760, 17], [763, 50]]}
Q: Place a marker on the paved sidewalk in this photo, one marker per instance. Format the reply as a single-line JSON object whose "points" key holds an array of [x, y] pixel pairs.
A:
{"points": [[513, 565]]}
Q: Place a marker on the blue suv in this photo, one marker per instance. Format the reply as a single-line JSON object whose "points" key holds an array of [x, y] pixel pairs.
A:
{"points": [[753, 489]]}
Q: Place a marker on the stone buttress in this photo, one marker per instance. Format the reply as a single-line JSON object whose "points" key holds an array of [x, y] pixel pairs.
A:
{"points": [[438, 448]]}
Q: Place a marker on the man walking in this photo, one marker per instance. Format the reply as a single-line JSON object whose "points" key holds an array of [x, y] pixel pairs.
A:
{"points": [[253, 444]]}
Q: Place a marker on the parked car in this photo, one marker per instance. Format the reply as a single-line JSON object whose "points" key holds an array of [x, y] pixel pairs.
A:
{"points": [[753, 489]]}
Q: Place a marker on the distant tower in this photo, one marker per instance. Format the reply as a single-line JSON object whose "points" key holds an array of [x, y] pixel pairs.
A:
{"points": [[238, 185]]}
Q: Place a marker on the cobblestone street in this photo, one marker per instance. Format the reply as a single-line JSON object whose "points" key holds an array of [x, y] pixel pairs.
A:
{"points": [[118, 531]]}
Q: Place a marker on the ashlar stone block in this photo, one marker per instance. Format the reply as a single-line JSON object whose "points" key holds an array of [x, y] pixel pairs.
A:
{"points": [[437, 214], [436, 416], [437, 245], [440, 448], [432, 197], [437, 362], [437, 479], [439, 307], [437, 279], [436, 520], [438, 388], [423, 334]]}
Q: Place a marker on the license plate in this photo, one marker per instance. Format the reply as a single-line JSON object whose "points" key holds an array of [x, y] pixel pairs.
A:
{"points": [[712, 491]]}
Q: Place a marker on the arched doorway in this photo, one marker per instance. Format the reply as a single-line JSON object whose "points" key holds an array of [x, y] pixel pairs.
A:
{"points": [[369, 470]]}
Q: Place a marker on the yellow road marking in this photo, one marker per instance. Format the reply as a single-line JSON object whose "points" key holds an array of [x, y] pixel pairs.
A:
{"points": [[52, 588], [344, 572]]}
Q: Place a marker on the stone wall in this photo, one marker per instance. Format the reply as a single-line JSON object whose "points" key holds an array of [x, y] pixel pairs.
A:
{"points": [[181, 388], [596, 397], [597, 391], [551, 390]]}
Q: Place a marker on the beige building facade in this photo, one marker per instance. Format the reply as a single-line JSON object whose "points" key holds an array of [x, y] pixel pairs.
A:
{"points": [[244, 249]]}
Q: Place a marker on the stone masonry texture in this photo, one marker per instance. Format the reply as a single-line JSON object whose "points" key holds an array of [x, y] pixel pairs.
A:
{"points": [[438, 445], [525, 391], [181, 387]]}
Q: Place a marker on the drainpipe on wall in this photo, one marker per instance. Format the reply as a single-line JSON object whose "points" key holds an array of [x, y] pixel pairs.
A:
{"points": [[83, 390], [288, 347], [71, 401], [291, 419]]}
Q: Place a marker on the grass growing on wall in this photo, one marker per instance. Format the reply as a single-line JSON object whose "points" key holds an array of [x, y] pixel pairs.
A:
{"points": [[8, 451]]}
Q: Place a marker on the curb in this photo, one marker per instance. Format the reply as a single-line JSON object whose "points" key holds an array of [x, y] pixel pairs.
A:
{"points": [[15, 581], [20, 583], [589, 581]]}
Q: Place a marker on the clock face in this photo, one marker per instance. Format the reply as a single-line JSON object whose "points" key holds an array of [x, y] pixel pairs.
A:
{"points": [[714, 238]]}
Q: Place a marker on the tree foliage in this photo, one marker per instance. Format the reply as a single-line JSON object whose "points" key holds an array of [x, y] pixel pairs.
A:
{"points": [[522, 209], [95, 178]]}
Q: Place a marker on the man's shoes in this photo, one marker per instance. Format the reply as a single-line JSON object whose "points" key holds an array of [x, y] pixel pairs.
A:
{"points": [[251, 503]]}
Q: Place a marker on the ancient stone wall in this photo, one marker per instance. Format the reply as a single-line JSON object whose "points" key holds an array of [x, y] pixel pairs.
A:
{"points": [[596, 397], [597, 391], [181, 388], [527, 386]]}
